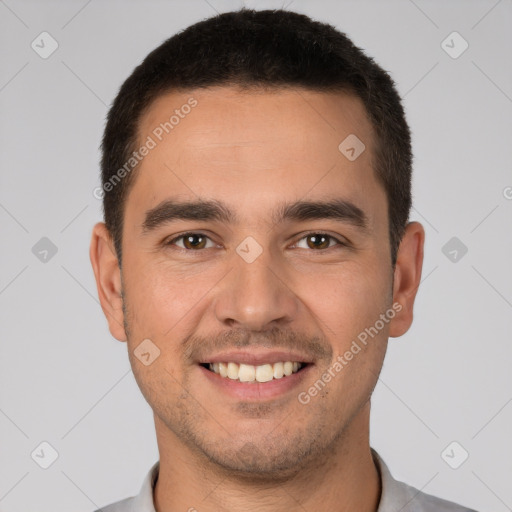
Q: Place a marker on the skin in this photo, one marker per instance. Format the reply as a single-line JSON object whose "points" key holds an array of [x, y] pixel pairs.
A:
{"points": [[253, 150]]}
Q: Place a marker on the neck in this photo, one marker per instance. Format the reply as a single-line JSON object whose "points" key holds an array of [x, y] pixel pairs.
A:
{"points": [[346, 479]]}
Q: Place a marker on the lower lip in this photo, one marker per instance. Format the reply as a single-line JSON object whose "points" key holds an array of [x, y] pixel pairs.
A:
{"points": [[256, 390]]}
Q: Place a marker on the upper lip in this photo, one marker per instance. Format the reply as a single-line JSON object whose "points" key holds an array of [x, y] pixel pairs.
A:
{"points": [[256, 358]]}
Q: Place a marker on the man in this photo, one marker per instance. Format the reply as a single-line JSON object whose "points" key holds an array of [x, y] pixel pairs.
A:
{"points": [[256, 256]]}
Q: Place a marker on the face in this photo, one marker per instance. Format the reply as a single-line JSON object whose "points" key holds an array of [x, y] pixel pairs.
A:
{"points": [[250, 240]]}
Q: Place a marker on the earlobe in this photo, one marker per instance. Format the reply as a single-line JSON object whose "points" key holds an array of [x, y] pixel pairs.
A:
{"points": [[108, 279], [407, 277]]}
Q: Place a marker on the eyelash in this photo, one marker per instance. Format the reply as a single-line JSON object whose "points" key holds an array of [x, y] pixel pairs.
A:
{"points": [[321, 233]]}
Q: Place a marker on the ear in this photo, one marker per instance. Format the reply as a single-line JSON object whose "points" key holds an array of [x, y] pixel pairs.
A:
{"points": [[407, 277], [108, 279]]}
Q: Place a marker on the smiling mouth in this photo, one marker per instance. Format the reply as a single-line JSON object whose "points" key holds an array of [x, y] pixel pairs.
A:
{"points": [[250, 373]]}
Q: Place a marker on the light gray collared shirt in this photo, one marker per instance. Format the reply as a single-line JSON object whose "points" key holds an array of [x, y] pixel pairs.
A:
{"points": [[395, 496]]}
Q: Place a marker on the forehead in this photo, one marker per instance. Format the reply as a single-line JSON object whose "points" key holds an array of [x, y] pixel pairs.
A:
{"points": [[229, 116], [263, 144]]}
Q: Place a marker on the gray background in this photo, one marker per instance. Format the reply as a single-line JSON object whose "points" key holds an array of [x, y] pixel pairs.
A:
{"points": [[66, 381]]}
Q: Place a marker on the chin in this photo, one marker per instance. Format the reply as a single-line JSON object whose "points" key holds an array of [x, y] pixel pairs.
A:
{"points": [[262, 460]]}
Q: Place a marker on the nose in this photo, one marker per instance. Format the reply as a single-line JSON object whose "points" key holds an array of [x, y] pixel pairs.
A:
{"points": [[256, 296]]}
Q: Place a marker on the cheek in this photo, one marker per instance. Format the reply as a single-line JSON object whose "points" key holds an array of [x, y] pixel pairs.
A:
{"points": [[348, 301], [157, 382], [162, 298], [348, 311]]}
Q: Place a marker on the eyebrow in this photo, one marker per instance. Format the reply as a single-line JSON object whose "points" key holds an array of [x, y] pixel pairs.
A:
{"points": [[212, 210]]}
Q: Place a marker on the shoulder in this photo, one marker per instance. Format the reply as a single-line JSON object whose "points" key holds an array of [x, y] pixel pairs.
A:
{"points": [[418, 501], [119, 506], [398, 495], [143, 502]]}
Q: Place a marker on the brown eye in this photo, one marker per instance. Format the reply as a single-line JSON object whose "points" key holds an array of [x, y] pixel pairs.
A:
{"points": [[320, 241], [194, 241], [191, 241]]}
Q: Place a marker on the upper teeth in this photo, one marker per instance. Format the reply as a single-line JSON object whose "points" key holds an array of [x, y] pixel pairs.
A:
{"points": [[250, 373]]}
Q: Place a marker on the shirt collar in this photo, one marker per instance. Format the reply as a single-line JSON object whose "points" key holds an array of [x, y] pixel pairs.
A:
{"points": [[393, 493], [143, 502]]}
